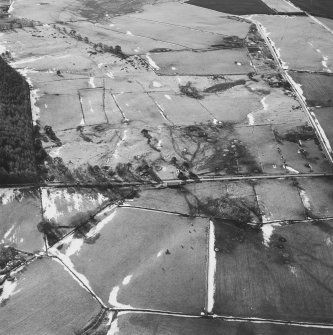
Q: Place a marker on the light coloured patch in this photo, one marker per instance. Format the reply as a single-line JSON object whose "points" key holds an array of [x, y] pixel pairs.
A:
{"points": [[151, 62], [290, 169], [156, 84], [127, 280], [91, 82], [9, 289], [8, 195], [267, 232], [113, 299], [305, 200], [211, 268]]}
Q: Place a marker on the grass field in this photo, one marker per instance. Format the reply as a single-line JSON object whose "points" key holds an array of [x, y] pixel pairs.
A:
{"points": [[20, 212], [317, 88], [156, 253], [148, 324], [47, 300], [240, 7], [282, 277], [323, 8], [234, 61]]}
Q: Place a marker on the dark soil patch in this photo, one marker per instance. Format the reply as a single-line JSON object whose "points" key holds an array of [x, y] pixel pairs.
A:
{"points": [[300, 133], [236, 7]]}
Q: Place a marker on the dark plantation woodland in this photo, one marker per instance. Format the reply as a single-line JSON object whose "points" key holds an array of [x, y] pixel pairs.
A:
{"points": [[17, 158]]}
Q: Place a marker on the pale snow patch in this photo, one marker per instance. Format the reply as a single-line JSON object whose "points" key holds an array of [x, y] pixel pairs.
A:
{"points": [[74, 246], [91, 82], [159, 254], [100, 65], [151, 62], [267, 232], [82, 123], [173, 68], [11, 7], [113, 299], [322, 133], [74, 200], [167, 96], [110, 74], [114, 328], [2, 47], [35, 111], [250, 118], [8, 290], [264, 103], [289, 168], [129, 33], [8, 232], [127, 280], [100, 225], [55, 152], [328, 241], [293, 270], [156, 84], [8, 195], [211, 268], [305, 200]]}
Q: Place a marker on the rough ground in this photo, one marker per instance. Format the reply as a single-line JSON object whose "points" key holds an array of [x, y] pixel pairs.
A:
{"points": [[185, 170]]}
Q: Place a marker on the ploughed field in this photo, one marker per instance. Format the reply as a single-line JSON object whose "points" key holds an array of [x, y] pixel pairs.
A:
{"points": [[182, 187]]}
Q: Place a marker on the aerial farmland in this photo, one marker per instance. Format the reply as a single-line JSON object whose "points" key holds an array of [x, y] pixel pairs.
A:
{"points": [[166, 167]]}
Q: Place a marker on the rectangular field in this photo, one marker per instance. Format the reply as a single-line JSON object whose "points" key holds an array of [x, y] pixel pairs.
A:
{"points": [[156, 253], [60, 111], [317, 88], [140, 108], [280, 273], [240, 7], [93, 106], [228, 61], [182, 110]]}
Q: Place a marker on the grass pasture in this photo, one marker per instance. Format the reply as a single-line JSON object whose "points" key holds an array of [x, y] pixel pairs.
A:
{"points": [[140, 108], [181, 110], [279, 200], [20, 212], [149, 324], [156, 253], [60, 111], [47, 300], [240, 7], [92, 101], [285, 278], [202, 62], [317, 88]]}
